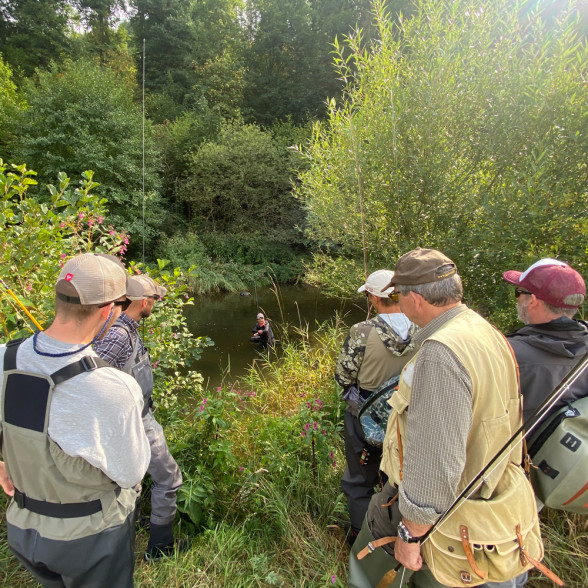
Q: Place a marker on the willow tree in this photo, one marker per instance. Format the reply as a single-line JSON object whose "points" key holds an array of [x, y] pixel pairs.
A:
{"points": [[463, 128]]}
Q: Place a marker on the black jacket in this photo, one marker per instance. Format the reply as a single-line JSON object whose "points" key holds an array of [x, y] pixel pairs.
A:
{"points": [[546, 353]]}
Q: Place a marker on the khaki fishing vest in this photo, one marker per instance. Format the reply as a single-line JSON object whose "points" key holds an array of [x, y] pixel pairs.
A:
{"points": [[496, 407], [43, 472], [379, 363]]}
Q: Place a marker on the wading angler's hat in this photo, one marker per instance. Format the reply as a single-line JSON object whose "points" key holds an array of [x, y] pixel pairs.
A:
{"points": [[378, 283], [260, 315], [551, 280], [91, 278], [422, 266], [142, 286]]}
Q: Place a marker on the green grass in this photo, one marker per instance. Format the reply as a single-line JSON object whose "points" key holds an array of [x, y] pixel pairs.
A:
{"points": [[271, 511]]}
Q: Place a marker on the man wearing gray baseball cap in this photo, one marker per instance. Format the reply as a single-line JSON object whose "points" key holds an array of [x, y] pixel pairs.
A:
{"points": [[72, 437], [123, 348]]}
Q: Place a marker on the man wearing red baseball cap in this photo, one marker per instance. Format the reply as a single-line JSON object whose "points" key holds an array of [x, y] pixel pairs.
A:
{"points": [[549, 294]]}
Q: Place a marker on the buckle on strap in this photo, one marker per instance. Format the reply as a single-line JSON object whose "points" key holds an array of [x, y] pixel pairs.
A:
{"points": [[19, 498], [89, 363]]}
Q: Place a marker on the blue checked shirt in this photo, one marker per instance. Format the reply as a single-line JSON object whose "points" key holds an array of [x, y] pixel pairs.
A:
{"points": [[116, 346]]}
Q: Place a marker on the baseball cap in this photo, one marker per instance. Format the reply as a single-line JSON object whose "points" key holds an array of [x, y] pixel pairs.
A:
{"points": [[260, 315], [550, 280], [422, 266], [377, 283], [91, 278], [142, 286]]}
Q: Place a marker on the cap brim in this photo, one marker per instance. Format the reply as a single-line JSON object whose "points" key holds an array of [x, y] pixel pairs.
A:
{"points": [[390, 284], [361, 289], [161, 291], [512, 277]]}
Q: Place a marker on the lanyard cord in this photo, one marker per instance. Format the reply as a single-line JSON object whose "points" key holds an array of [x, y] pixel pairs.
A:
{"points": [[66, 353]]}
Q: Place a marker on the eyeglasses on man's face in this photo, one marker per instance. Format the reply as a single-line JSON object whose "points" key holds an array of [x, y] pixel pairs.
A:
{"points": [[518, 292]]}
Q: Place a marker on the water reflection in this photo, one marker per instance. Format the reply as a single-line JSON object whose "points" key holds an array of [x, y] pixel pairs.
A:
{"points": [[228, 319]]}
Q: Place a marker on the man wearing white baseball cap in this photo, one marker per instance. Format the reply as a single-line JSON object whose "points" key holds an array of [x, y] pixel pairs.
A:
{"points": [[374, 351], [72, 437], [123, 348]]}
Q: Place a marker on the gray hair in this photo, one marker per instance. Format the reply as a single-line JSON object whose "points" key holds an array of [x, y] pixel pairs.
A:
{"points": [[441, 293], [572, 300]]}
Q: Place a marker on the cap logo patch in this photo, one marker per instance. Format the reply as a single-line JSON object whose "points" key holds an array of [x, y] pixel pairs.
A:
{"points": [[68, 277]]}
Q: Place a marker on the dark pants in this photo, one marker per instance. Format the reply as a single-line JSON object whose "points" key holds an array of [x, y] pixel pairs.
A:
{"points": [[97, 561], [358, 480]]}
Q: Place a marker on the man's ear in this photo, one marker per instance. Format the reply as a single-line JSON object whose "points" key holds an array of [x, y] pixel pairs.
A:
{"points": [[106, 310]]}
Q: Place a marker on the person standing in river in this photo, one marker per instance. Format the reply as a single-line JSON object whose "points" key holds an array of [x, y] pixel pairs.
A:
{"points": [[123, 348], [262, 331], [374, 351]]}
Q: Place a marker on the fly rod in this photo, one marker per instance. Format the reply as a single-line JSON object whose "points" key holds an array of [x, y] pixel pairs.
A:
{"points": [[21, 305]]}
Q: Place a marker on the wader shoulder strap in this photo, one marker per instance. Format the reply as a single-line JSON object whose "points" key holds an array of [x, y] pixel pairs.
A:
{"points": [[88, 363], [10, 354]]}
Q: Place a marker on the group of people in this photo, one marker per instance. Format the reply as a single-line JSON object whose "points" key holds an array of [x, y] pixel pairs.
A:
{"points": [[457, 401], [77, 431]]}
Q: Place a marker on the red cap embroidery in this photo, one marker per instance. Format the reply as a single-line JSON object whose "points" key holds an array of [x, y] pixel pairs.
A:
{"points": [[68, 277]]}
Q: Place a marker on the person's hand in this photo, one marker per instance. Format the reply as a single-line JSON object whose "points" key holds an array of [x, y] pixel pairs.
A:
{"points": [[353, 399], [5, 481], [408, 554]]}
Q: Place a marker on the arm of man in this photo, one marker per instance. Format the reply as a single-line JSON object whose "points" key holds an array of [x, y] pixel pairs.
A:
{"points": [[350, 358], [437, 429], [5, 481]]}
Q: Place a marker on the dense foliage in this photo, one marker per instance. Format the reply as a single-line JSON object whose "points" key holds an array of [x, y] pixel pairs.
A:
{"points": [[464, 130]]}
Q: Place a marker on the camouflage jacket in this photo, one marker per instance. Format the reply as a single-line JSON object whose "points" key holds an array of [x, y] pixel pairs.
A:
{"points": [[352, 354]]}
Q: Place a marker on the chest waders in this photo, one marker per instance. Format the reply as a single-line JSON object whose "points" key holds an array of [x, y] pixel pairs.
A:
{"points": [[41, 486], [139, 366]]}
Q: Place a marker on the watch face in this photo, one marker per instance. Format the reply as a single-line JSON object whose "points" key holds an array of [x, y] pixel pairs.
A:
{"points": [[405, 535]]}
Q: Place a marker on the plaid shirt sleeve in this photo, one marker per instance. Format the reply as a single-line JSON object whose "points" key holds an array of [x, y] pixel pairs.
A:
{"points": [[115, 347]]}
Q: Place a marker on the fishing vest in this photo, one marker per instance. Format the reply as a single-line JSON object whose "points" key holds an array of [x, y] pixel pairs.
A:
{"points": [[496, 408], [379, 363], [139, 366], [61, 496]]}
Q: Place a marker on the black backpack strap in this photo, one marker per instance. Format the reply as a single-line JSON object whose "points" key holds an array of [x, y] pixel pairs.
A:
{"points": [[10, 354], [88, 363]]}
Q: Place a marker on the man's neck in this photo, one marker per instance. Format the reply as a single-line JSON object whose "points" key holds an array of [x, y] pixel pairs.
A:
{"points": [[73, 332]]}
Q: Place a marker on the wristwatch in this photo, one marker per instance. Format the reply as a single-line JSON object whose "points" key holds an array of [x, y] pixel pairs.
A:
{"points": [[405, 535]]}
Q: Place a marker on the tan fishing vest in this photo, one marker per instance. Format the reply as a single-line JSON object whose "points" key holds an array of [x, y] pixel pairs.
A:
{"points": [[43, 472], [496, 408]]}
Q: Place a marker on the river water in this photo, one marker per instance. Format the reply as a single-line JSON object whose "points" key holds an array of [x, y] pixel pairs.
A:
{"points": [[228, 319]]}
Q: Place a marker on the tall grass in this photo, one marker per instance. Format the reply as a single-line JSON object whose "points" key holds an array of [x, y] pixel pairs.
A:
{"points": [[266, 498]]}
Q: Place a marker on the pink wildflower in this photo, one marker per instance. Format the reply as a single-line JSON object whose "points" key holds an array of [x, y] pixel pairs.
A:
{"points": [[307, 426], [111, 232], [29, 287], [315, 425], [100, 220], [126, 241], [63, 256], [90, 222], [303, 434], [333, 579], [61, 225], [81, 215], [241, 468]]}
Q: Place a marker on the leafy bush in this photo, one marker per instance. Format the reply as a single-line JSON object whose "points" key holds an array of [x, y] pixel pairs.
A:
{"points": [[463, 129]]}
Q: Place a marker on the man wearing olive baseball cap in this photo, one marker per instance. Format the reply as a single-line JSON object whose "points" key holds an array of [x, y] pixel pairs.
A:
{"points": [[548, 294], [463, 375], [123, 347], [72, 437]]}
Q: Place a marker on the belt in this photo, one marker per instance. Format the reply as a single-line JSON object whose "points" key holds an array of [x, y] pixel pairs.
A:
{"points": [[54, 509]]}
